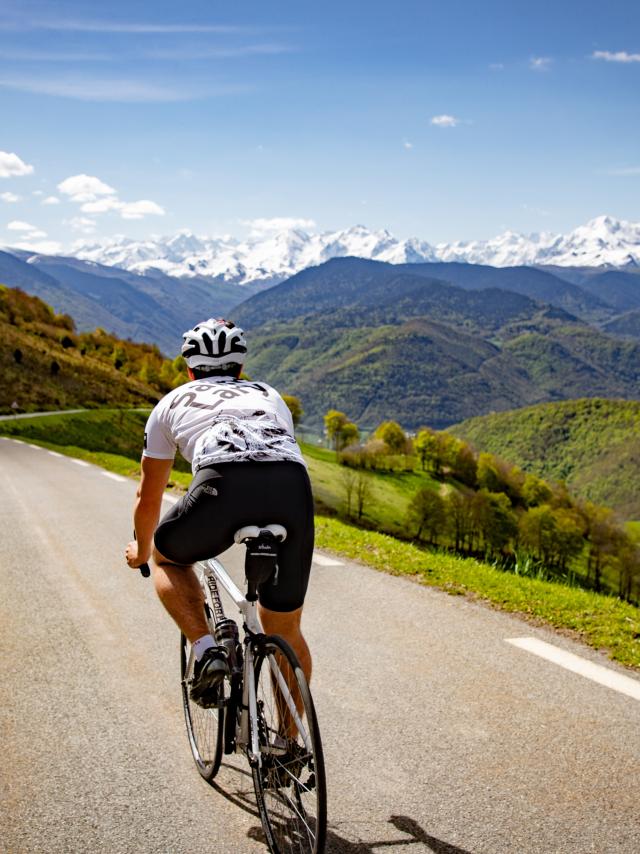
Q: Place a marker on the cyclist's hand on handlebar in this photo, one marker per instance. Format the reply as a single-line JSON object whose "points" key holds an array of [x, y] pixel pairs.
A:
{"points": [[132, 557]]}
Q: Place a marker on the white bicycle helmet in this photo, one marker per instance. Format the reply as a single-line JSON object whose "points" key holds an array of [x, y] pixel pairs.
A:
{"points": [[213, 343]]}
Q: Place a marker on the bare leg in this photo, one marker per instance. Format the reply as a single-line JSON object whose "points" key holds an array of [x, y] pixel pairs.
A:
{"points": [[180, 592], [287, 625]]}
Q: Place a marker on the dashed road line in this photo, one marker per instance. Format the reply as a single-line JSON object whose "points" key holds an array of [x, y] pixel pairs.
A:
{"points": [[321, 560], [79, 462], [55, 454], [596, 672], [117, 477], [37, 447]]}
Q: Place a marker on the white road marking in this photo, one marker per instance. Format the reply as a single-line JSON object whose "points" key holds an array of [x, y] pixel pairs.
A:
{"points": [[321, 560], [54, 453], [37, 447], [79, 462], [117, 477], [596, 672]]}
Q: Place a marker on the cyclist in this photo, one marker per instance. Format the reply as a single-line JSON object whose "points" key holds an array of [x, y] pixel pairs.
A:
{"points": [[248, 469]]}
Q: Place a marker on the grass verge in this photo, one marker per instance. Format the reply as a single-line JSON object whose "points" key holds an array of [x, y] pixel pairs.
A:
{"points": [[603, 622]]}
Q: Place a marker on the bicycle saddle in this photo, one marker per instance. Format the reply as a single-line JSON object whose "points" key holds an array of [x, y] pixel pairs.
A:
{"points": [[261, 561], [252, 532]]}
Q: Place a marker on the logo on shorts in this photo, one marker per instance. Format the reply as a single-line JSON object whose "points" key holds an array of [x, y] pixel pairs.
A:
{"points": [[209, 490]]}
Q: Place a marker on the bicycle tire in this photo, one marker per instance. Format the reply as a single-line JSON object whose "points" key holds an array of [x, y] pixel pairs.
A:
{"points": [[290, 785], [205, 727]]}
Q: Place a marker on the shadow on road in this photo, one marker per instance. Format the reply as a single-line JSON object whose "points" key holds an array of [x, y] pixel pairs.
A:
{"points": [[412, 832]]}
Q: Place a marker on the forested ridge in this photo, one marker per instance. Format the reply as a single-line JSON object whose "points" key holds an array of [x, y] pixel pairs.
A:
{"points": [[591, 444], [376, 339], [46, 364], [479, 504]]}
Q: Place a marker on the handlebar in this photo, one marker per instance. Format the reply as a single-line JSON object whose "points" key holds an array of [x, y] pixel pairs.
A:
{"points": [[145, 572]]}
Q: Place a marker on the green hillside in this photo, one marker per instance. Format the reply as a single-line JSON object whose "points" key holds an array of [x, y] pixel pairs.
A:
{"points": [[373, 341], [423, 371], [592, 444], [45, 364]]}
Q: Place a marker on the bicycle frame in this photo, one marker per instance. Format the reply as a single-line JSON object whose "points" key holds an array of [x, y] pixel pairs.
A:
{"points": [[213, 572]]}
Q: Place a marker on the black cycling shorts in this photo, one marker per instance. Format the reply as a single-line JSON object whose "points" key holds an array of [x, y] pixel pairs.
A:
{"points": [[221, 500]]}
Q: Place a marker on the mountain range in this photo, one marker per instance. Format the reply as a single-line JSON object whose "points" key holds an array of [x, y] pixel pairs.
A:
{"points": [[380, 340], [271, 256]]}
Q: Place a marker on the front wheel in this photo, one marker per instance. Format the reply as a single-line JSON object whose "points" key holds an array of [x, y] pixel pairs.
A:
{"points": [[288, 778], [205, 727]]}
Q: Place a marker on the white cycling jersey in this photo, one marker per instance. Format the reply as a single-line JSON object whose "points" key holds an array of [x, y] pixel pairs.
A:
{"points": [[221, 420]]}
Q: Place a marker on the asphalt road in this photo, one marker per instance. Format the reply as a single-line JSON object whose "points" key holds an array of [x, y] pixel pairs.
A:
{"points": [[439, 735]]}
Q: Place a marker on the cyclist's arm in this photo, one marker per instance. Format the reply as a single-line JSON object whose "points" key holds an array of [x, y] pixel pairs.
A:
{"points": [[153, 481]]}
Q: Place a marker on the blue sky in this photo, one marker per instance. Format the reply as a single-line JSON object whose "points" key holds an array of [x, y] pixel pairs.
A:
{"points": [[442, 121]]}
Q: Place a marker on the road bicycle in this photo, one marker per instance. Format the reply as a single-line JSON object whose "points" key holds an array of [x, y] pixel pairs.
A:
{"points": [[264, 710]]}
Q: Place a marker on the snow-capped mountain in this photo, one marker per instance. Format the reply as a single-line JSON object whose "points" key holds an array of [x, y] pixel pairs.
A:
{"points": [[267, 256], [604, 241], [274, 256]]}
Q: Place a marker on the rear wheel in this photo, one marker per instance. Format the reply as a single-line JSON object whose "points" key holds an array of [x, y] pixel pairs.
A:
{"points": [[289, 780], [205, 727]]}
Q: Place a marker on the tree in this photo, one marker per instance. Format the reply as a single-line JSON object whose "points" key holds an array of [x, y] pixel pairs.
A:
{"points": [[488, 476], [295, 407], [535, 490], [363, 492], [463, 465], [148, 372], [348, 478], [393, 436], [426, 510], [426, 447], [340, 431], [494, 522], [459, 517], [334, 421], [553, 534], [349, 434], [606, 541]]}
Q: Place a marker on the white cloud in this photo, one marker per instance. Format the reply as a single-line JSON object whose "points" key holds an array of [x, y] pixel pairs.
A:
{"points": [[54, 56], [540, 63], [85, 188], [102, 205], [624, 172], [116, 90], [38, 193], [278, 223], [19, 225], [445, 121], [11, 166], [83, 224], [140, 209], [408, 145], [191, 53], [50, 200], [42, 247], [617, 56], [110, 26], [496, 66], [96, 197], [9, 197]]}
